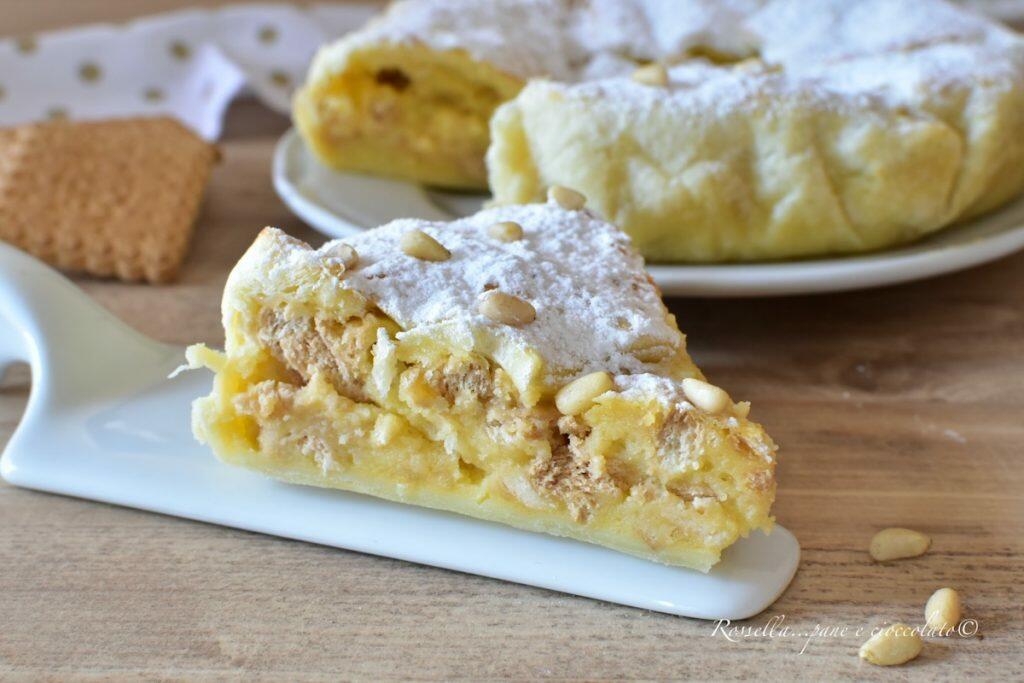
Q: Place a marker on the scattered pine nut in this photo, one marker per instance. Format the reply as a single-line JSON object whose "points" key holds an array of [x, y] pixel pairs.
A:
{"points": [[897, 644], [577, 396], [506, 309], [570, 200], [340, 258], [943, 611], [506, 231], [419, 244], [898, 544], [705, 395], [348, 255], [652, 74]]}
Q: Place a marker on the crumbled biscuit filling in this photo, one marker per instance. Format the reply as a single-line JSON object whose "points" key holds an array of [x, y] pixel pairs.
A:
{"points": [[565, 473], [342, 352], [469, 379], [570, 474]]}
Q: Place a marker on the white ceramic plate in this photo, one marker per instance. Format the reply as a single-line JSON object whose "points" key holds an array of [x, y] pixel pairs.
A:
{"points": [[340, 204], [104, 422]]}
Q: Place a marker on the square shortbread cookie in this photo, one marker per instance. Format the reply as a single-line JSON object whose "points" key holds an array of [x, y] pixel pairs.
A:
{"points": [[109, 198]]}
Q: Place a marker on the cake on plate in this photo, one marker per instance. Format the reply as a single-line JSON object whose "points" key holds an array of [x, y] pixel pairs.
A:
{"points": [[517, 366], [709, 131]]}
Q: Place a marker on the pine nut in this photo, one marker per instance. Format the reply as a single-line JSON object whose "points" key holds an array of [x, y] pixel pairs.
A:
{"points": [[506, 231], [750, 64], [340, 258], [345, 253], [578, 395], [742, 409], [651, 74], [898, 544], [897, 644], [506, 309], [943, 612], [419, 244], [705, 395], [570, 200]]}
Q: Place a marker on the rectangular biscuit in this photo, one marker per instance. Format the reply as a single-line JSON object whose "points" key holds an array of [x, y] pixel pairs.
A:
{"points": [[113, 198]]}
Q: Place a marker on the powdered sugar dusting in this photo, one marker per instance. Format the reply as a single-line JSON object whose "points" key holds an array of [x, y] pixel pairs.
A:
{"points": [[892, 50], [559, 39], [908, 55], [593, 299], [827, 54], [643, 386], [525, 38]]}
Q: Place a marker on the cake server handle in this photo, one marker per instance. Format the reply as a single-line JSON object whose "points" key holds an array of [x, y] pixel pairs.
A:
{"points": [[67, 338]]}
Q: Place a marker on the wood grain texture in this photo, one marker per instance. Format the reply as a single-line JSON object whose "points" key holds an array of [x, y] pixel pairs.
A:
{"points": [[902, 406]]}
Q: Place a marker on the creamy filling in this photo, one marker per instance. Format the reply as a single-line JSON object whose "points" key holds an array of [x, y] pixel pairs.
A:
{"points": [[435, 113], [560, 463], [343, 354]]}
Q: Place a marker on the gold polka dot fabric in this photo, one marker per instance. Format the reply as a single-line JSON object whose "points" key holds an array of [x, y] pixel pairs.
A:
{"points": [[90, 72], [187, 64]]}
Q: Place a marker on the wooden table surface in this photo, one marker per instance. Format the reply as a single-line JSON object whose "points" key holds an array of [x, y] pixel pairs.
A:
{"points": [[900, 406]]}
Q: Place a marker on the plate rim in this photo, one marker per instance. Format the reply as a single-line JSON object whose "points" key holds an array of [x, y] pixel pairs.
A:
{"points": [[899, 265]]}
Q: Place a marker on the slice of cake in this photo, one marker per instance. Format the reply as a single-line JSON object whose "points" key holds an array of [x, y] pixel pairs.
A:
{"points": [[517, 366]]}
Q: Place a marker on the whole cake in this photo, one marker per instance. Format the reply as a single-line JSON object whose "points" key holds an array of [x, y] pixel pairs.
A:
{"points": [[707, 130], [517, 366]]}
